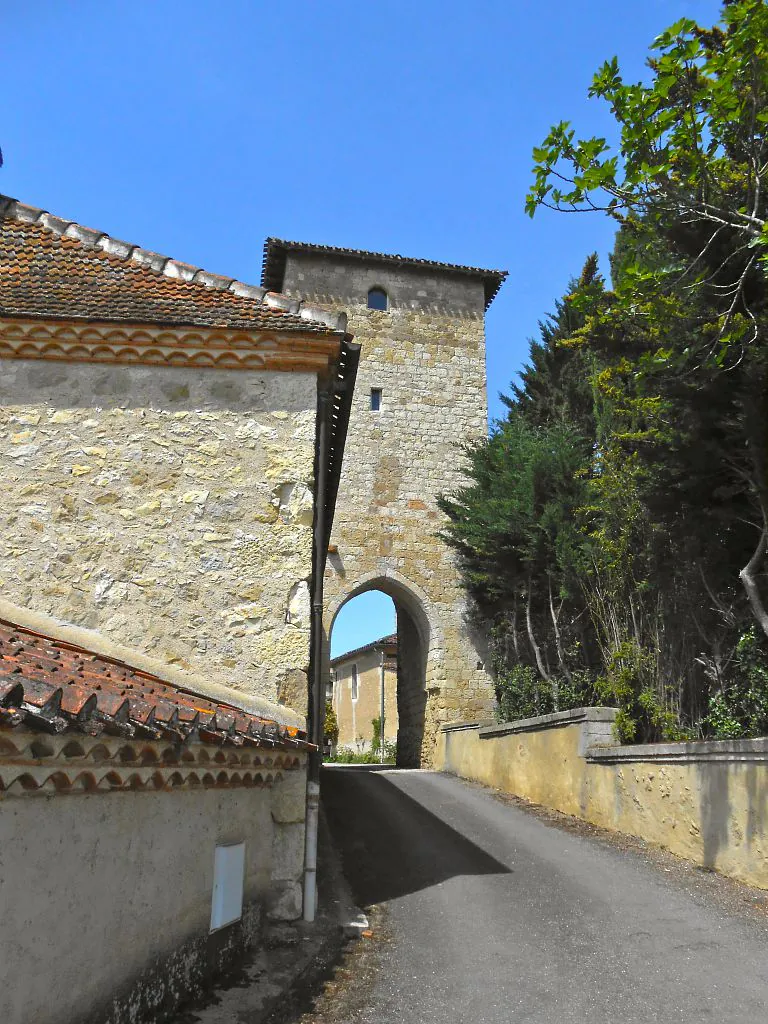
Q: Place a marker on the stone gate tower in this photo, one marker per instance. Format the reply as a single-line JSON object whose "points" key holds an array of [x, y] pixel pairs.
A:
{"points": [[420, 394]]}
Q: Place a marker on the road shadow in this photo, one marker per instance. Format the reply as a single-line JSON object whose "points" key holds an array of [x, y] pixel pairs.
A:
{"points": [[389, 844]]}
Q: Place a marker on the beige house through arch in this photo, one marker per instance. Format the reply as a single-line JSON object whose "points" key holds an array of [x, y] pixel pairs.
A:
{"points": [[362, 680], [417, 657]]}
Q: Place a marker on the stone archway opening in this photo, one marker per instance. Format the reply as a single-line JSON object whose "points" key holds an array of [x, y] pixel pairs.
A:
{"points": [[415, 639]]}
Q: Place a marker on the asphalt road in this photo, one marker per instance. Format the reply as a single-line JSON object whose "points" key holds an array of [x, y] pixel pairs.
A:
{"points": [[493, 915]]}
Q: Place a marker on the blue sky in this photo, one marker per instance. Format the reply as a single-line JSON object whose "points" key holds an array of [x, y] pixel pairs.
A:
{"points": [[197, 129]]}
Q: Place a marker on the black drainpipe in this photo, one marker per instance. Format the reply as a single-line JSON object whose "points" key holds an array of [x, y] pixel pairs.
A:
{"points": [[316, 709], [334, 402]]}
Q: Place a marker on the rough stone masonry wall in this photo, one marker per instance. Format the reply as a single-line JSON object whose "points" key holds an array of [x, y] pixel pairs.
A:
{"points": [[427, 355], [169, 509]]}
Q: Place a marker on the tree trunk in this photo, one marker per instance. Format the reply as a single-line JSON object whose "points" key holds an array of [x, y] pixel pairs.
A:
{"points": [[560, 653], [515, 641], [534, 646], [748, 576], [756, 428]]}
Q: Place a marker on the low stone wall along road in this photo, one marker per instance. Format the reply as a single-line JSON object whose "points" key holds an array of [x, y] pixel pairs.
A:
{"points": [[492, 914]]}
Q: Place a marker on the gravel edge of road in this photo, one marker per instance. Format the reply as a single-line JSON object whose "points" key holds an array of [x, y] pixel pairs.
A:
{"points": [[279, 978]]}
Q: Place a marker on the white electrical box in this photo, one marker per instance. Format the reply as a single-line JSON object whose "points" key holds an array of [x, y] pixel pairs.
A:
{"points": [[228, 884]]}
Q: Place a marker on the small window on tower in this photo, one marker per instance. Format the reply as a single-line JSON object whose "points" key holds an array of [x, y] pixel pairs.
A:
{"points": [[377, 299], [375, 399]]}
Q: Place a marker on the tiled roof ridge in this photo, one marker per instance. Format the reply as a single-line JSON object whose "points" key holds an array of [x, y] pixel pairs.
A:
{"points": [[493, 278], [166, 266], [55, 685], [391, 638], [86, 652]]}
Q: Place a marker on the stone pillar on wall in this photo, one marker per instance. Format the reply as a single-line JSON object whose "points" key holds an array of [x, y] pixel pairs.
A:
{"points": [[287, 806], [425, 356]]}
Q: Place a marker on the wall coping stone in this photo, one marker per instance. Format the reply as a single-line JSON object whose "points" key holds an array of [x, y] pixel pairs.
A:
{"points": [[755, 750], [554, 721], [463, 726], [730, 751]]}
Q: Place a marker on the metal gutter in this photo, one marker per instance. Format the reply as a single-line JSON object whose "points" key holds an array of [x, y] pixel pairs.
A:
{"points": [[334, 402]]}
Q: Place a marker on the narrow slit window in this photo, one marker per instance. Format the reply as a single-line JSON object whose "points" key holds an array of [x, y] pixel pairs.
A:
{"points": [[355, 682], [377, 299], [375, 399]]}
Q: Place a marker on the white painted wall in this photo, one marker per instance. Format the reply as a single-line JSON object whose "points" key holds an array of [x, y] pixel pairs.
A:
{"points": [[96, 888]]}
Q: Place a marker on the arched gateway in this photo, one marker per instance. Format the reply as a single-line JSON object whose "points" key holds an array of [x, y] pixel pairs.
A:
{"points": [[419, 650], [420, 395]]}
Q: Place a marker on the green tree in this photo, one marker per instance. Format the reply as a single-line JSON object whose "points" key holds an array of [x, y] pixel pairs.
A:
{"points": [[331, 726], [555, 385], [516, 527], [614, 530], [689, 187], [693, 151]]}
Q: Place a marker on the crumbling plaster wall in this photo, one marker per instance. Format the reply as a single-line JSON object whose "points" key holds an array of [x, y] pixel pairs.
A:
{"points": [[106, 897], [427, 355], [169, 509]]}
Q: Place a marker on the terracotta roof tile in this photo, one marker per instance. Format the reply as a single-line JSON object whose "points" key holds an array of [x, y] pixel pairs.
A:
{"points": [[54, 686], [276, 252], [55, 268]]}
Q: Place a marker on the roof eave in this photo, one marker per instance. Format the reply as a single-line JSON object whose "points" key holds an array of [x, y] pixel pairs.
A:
{"points": [[276, 255], [382, 642], [311, 330]]}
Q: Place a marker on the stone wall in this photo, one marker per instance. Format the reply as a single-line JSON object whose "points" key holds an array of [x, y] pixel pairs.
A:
{"points": [[168, 509], [704, 801], [106, 895], [427, 356]]}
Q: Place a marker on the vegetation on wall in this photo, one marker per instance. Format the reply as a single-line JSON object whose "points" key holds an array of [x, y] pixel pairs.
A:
{"points": [[615, 530]]}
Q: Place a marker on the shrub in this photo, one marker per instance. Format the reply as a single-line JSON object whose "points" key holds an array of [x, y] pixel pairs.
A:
{"points": [[331, 724], [628, 684], [522, 693], [740, 709], [348, 755]]}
